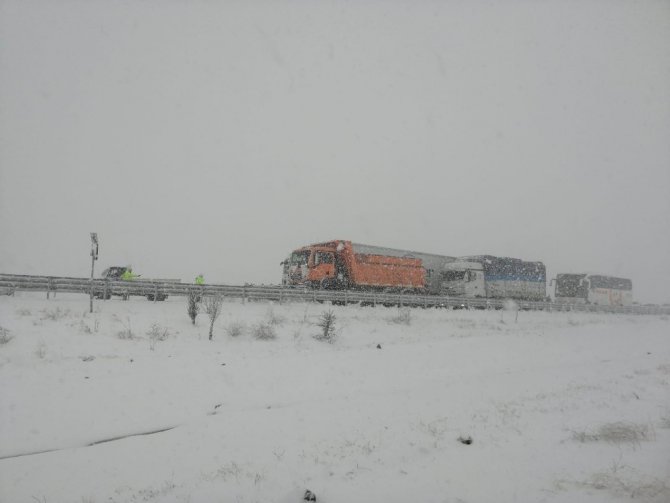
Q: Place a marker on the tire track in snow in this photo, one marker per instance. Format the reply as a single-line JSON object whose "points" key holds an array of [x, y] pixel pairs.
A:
{"points": [[97, 442]]}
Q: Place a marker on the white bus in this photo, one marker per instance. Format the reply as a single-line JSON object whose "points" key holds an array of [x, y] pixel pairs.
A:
{"points": [[594, 289]]}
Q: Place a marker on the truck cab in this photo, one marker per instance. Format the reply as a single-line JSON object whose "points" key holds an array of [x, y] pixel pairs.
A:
{"points": [[313, 267], [463, 279]]}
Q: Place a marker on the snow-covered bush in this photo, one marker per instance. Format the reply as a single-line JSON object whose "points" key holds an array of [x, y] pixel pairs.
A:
{"points": [[235, 329], [4, 336], [264, 331], [54, 314]]}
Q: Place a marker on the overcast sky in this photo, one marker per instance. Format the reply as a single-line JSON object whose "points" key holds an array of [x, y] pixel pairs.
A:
{"points": [[215, 137]]}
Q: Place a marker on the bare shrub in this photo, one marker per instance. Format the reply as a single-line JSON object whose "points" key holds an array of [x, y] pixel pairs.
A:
{"points": [[23, 311], [623, 481], [511, 307], [54, 314], [235, 329], [264, 332], [4, 336], [127, 332], [85, 328], [327, 325], [212, 306], [616, 433], [403, 317], [274, 319], [193, 304], [41, 350], [435, 429], [157, 333]]}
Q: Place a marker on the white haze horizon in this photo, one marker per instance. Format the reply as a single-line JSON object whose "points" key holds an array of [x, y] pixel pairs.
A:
{"points": [[216, 137]]}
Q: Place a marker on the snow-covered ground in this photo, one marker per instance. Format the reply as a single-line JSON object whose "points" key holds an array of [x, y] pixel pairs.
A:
{"points": [[560, 407]]}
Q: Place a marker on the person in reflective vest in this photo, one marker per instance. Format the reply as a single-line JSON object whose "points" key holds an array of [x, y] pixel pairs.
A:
{"points": [[128, 274], [199, 279]]}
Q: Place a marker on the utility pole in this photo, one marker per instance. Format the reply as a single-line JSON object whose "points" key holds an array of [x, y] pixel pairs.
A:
{"points": [[94, 257]]}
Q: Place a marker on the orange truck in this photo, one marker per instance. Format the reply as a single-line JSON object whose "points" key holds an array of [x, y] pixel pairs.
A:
{"points": [[342, 264]]}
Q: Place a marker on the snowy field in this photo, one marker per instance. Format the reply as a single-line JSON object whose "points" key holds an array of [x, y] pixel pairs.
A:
{"points": [[560, 407]]}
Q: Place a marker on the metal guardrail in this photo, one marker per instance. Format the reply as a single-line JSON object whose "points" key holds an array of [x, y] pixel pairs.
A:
{"points": [[156, 290]]}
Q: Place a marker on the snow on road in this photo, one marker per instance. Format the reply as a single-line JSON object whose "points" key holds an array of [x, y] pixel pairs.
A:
{"points": [[561, 407]]}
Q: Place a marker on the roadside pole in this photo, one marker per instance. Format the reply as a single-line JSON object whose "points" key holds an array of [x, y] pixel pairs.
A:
{"points": [[94, 257]]}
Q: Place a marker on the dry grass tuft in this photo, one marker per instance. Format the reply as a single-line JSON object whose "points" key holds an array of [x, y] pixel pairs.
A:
{"points": [[403, 317], [616, 433]]}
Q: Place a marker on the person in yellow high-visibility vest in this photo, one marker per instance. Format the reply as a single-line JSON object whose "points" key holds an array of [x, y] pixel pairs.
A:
{"points": [[128, 274], [199, 279]]}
